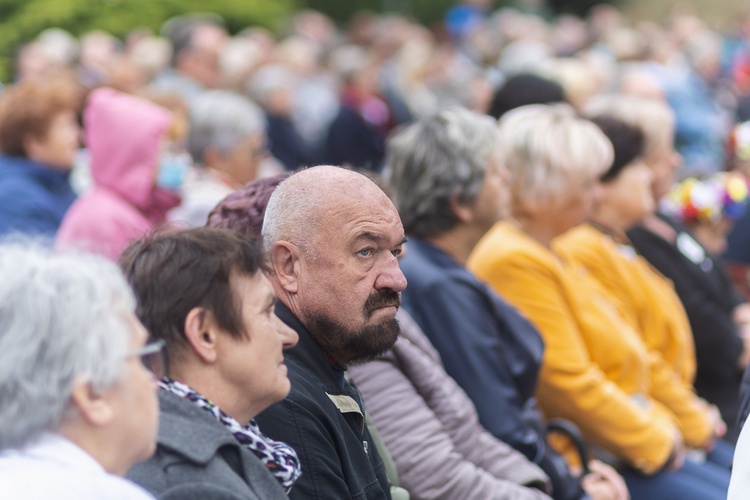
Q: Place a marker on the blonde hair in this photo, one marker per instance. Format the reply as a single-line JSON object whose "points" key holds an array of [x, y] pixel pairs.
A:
{"points": [[547, 147]]}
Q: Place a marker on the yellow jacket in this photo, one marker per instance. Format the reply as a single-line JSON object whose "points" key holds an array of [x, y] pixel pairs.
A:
{"points": [[595, 371], [650, 303]]}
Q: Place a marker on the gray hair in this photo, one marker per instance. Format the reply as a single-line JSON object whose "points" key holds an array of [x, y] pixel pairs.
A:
{"points": [[288, 214], [546, 148], [268, 79], [62, 316], [434, 160], [221, 119]]}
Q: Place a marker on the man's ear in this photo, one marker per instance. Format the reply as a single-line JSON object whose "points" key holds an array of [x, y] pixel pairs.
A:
{"points": [[462, 211], [201, 333], [93, 407], [285, 262]]}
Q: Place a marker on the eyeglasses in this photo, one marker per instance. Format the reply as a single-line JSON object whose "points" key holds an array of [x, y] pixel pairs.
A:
{"points": [[153, 358]]}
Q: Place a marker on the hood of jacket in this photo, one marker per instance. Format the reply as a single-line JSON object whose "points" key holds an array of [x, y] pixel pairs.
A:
{"points": [[124, 136]]}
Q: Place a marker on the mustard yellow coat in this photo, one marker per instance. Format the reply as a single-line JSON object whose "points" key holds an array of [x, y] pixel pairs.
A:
{"points": [[650, 303], [595, 370]]}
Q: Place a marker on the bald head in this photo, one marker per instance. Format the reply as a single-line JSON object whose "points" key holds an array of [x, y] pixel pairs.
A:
{"points": [[334, 239], [309, 200]]}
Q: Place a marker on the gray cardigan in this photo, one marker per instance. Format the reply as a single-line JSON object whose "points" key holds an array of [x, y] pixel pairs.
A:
{"points": [[198, 458], [431, 428]]}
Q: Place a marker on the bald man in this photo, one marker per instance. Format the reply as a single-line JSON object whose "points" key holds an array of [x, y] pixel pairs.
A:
{"points": [[333, 238]]}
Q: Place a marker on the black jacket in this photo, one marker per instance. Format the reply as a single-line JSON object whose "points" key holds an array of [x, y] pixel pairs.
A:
{"points": [[322, 419], [709, 299]]}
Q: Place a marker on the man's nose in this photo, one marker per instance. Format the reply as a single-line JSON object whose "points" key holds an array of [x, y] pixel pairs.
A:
{"points": [[391, 277]]}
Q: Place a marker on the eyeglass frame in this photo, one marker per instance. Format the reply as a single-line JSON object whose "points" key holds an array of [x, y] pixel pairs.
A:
{"points": [[155, 347]]}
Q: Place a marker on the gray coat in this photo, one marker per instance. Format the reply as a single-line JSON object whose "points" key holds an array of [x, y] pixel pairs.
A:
{"points": [[432, 431], [198, 458]]}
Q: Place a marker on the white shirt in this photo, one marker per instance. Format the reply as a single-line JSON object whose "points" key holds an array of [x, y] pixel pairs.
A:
{"points": [[739, 484], [54, 468]]}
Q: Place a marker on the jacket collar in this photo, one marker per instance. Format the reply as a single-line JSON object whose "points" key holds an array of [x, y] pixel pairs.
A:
{"points": [[190, 431]]}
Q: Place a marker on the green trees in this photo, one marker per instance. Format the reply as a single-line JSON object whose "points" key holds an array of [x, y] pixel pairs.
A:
{"points": [[22, 20]]}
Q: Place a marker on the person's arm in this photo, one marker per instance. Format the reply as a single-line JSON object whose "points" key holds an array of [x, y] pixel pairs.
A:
{"points": [[425, 454], [574, 318], [456, 317], [718, 345]]}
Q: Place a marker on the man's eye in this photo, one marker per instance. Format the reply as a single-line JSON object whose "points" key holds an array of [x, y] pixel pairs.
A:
{"points": [[396, 252], [365, 252]]}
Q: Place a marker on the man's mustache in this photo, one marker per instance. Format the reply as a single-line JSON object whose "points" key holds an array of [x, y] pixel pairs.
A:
{"points": [[382, 298]]}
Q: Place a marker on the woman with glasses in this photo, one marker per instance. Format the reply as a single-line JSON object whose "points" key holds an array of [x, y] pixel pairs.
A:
{"points": [[77, 406], [204, 294]]}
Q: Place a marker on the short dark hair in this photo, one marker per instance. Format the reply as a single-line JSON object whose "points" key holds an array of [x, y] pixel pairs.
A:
{"points": [[174, 272], [523, 89], [627, 143]]}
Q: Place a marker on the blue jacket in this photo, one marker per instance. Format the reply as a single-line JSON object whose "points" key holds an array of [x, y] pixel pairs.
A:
{"points": [[489, 349], [33, 197]]}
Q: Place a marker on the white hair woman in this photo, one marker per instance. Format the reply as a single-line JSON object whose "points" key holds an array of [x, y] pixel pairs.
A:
{"points": [[78, 407], [596, 368]]}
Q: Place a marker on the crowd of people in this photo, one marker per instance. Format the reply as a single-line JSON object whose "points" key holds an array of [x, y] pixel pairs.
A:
{"points": [[503, 258]]}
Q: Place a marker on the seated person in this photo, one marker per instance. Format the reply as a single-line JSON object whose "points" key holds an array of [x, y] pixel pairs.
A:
{"points": [[227, 142], [334, 238], [596, 370], [418, 410], [644, 297], [450, 189], [712, 305], [70, 377], [137, 165], [203, 292], [39, 140]]}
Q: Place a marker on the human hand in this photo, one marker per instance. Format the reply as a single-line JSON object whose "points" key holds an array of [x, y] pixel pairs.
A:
{"points": [[677, 458], [604, 483], [719, 426]]}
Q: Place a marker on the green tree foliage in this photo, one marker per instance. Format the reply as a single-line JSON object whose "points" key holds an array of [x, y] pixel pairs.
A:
{"points": [[22, 20], [425, 11]]}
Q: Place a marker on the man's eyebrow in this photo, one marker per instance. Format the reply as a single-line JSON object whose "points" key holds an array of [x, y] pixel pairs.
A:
{"points": [[367, 235]]}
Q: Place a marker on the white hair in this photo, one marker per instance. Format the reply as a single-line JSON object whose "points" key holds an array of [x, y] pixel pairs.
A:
{"points": [[545, 148], [221, 119], [62, 317]]}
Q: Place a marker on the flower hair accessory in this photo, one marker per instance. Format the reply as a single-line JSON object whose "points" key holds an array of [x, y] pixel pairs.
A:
{"points": [[723, 195]]}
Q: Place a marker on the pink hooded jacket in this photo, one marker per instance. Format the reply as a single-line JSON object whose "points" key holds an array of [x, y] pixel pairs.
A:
{"points": [[123, 136]]}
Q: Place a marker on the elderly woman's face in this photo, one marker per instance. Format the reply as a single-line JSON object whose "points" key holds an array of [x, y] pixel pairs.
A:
{"points": [[583, 193], [629, 194], [253, 364], [58, 147]]}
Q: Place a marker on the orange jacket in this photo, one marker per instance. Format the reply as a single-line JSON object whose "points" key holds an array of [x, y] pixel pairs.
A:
{"points": [[596, 370]]}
